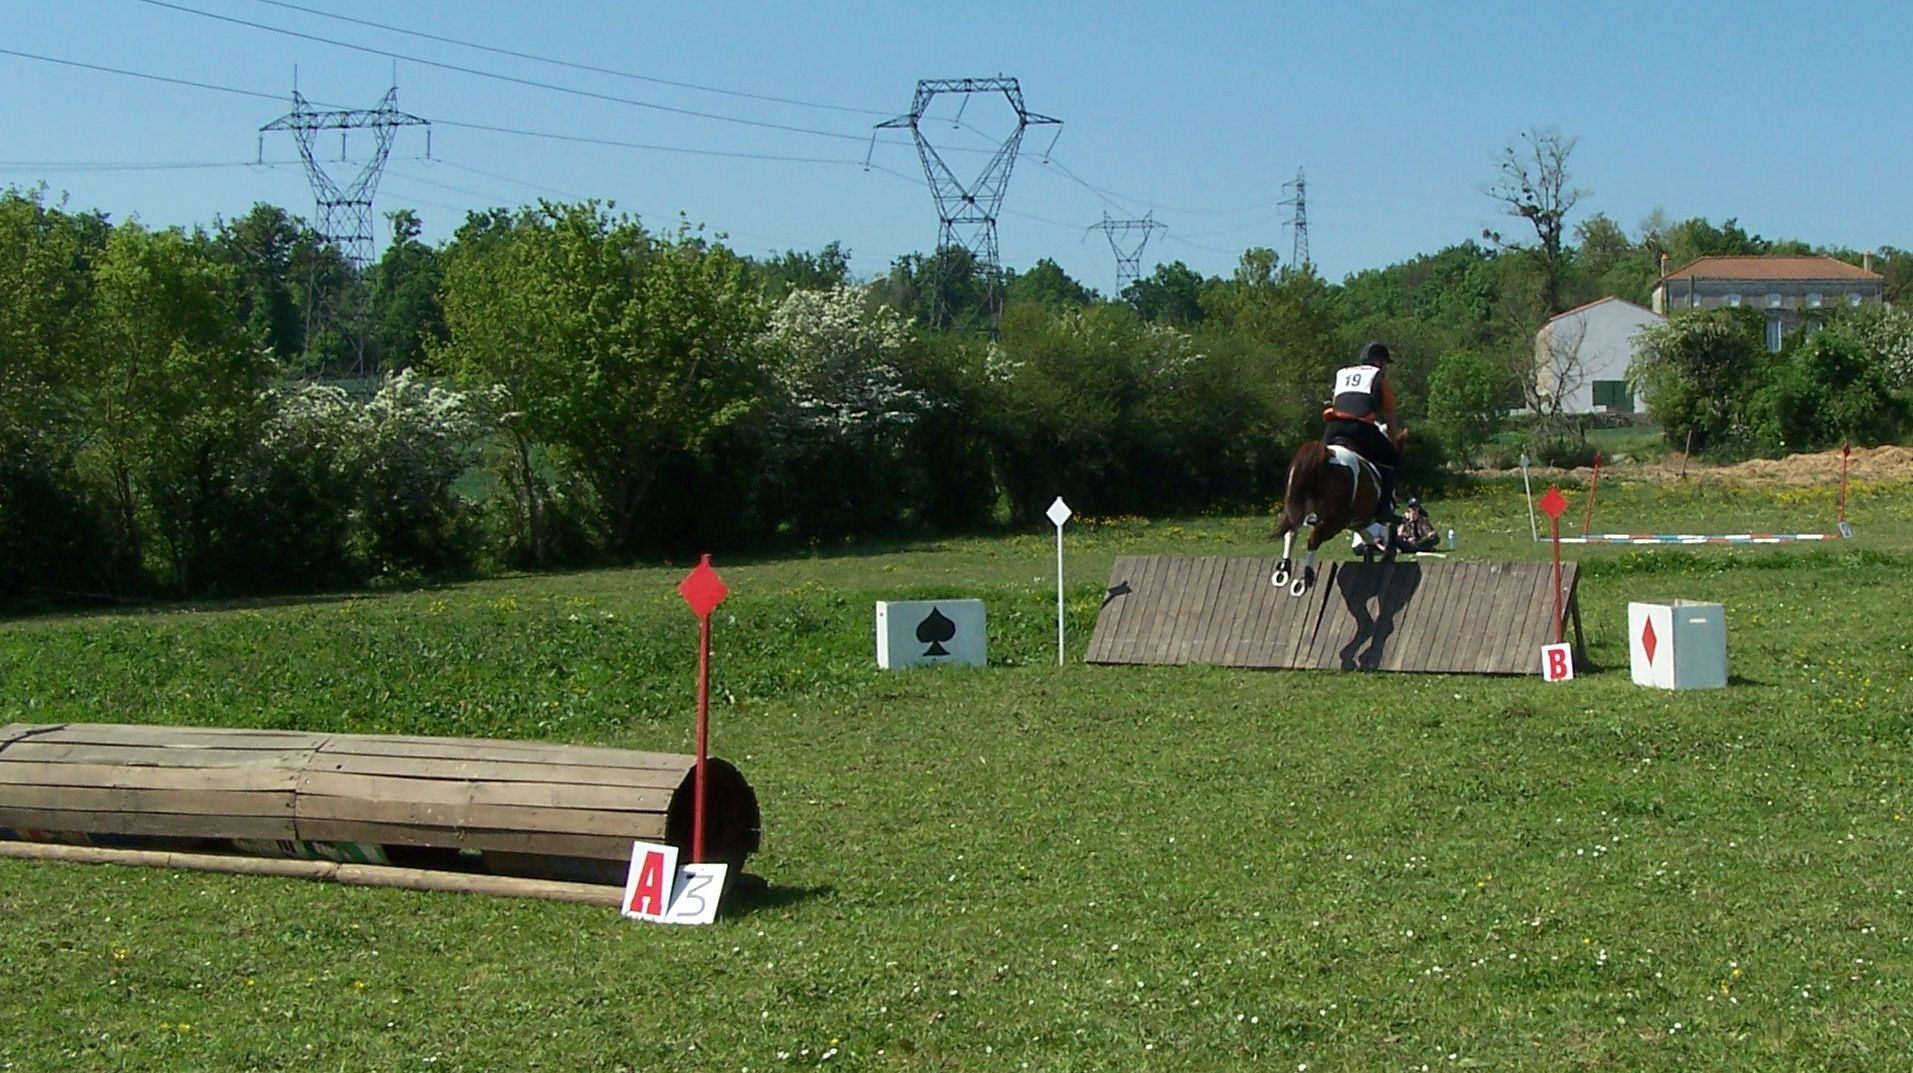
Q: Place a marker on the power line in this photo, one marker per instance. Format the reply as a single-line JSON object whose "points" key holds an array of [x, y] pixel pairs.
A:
{"points": [[572, 64], [124, 165], [514, 79], [139, 74], [487, 127]]}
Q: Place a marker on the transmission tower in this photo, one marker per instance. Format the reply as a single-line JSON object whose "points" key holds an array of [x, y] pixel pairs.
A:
{"points": [[1299, 255], [1127, 238], [344, 211], [967, 211]]}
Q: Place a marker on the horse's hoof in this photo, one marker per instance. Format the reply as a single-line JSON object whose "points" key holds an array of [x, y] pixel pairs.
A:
{"points": [[1279, 578], [1298, 586]]}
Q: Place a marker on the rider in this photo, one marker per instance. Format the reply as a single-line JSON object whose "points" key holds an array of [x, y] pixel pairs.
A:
{"points": [[1362, 396]]}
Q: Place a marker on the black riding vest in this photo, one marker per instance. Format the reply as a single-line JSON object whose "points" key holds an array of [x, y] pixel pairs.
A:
{"points": [[1358, 391]]}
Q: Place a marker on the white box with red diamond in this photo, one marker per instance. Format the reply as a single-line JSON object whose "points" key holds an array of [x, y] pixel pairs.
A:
{"points": [[1678, 644]]}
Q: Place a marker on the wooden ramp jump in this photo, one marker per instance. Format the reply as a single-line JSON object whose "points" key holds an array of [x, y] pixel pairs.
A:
{"points": [[1407, 615]]}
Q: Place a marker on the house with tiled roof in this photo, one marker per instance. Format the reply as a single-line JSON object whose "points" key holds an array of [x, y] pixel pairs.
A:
{"points": [[1785, 289], [1581, 357]]}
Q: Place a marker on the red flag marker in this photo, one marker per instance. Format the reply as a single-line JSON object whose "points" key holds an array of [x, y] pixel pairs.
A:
{"points": [[1552, 505], [703, 590]]}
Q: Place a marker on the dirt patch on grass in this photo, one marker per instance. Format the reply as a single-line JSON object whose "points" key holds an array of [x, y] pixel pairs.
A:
{"points": [[1889, 464]]}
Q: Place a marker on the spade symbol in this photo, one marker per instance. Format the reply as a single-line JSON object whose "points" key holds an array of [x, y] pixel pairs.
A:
{"points": [[935, 629]]}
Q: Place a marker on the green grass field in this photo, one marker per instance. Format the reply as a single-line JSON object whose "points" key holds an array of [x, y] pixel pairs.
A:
{"points": [[1051, 868]]}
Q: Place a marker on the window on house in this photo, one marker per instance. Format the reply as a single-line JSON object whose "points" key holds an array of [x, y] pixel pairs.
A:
{"points": [[1813, 299], [1613, 395], [1773, 299], [1853, 299], [1733, 300], [1774, 332]]}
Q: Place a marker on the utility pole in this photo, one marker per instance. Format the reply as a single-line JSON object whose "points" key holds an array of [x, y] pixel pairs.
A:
{"points": [[967, 211], [1299, 254], [344, 211], [1124, 240]]}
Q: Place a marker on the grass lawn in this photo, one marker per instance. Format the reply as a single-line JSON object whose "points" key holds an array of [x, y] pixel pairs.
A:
{"points": [[1051, 868]]}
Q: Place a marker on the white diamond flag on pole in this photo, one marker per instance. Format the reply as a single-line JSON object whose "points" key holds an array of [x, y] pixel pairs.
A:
{"points": [[1059, 513]]}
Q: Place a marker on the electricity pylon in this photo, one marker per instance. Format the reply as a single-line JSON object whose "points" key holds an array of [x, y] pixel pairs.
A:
{"points": [[1123, 240], [344, 212], [1299, 254], [967, 211]]}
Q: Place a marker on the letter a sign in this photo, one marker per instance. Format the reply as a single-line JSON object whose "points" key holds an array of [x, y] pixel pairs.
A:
{"points": [[656, 889]]}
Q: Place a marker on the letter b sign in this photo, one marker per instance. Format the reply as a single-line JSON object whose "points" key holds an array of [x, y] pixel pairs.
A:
{"points": [[1557, 662]]}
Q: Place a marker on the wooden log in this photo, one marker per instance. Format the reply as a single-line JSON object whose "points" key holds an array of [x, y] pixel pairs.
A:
{"points": [[517, 806]]}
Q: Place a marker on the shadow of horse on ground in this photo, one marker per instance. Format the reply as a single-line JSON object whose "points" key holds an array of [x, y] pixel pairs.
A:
{"points": [[1390, 587]]}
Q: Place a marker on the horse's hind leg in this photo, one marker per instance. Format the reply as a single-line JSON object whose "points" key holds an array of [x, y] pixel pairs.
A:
{"points": [[1306, 580], [1284, 564]]}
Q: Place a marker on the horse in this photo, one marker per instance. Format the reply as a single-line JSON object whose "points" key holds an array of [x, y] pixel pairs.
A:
{"points": [[1331, 488]]}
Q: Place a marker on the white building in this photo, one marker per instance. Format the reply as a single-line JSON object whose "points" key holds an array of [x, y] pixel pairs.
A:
{"points": [[1581, 357]]}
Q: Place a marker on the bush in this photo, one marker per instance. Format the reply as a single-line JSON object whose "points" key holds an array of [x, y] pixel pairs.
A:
{"points": [[56, 539]]}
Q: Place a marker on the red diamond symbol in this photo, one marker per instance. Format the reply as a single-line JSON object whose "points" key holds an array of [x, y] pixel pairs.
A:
{"points": [[702, 588], [1649, 642], [1554, 502]]}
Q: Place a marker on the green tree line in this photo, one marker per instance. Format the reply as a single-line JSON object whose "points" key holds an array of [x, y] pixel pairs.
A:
{"points": [[562, 383]]}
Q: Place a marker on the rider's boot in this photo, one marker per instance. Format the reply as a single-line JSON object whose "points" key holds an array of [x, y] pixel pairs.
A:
{"points": [[1385, 501]]}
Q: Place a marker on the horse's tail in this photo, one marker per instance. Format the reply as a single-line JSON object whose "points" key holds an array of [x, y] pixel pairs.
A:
{"points": [[1305, 476]]}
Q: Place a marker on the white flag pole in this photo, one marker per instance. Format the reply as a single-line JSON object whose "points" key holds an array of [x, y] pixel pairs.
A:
{"points": [[1527, 491], [1059, 513]]}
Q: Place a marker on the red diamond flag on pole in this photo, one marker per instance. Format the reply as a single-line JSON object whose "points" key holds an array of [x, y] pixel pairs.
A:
{"points": [[1554, 502], [702, 588]]}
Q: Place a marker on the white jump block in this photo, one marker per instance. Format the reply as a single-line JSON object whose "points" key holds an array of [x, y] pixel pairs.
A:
{"points": [[1678, 644], [927, 633]]}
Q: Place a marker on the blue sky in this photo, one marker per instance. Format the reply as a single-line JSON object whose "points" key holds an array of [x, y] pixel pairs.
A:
{"points": [[1784, 116]]}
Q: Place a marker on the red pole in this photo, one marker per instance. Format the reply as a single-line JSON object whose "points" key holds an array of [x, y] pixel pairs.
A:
{"points": [[1846, 448], [703, 724], [1593, 483]]}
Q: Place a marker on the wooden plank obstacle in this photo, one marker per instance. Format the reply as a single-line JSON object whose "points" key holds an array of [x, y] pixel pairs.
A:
{"points": [[534, 811], [1405, 615]]}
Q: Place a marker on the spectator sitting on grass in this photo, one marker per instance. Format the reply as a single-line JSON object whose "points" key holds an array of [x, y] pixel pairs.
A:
{"points": [[1416, 533]]}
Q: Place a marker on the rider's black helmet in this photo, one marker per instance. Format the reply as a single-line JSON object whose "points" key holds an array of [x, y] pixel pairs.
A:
{"points": [[1374, 354]]}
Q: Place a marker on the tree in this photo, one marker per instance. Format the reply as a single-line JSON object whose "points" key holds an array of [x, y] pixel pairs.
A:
{"points": [[1826, 388], [174, 390], [836, 414], [1557, 371], [262, 248], [1465, 397], [1172, 294], [616, 346], [1048, 285], [1533, 185], [1696, 374], [406, 317], [53, 529], [798, 270], [1608, 264], [948, 290]]}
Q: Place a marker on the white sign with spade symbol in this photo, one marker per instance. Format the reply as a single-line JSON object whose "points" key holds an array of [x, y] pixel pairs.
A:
{"points": [[926, 633]]}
